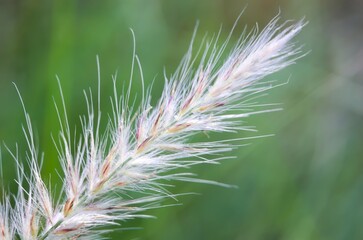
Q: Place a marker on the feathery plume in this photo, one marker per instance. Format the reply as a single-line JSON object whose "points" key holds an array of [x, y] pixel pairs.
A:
{"points": [[102, 173]]}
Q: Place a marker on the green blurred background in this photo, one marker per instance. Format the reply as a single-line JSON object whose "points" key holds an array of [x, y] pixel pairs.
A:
{"points": [[304, 183]]}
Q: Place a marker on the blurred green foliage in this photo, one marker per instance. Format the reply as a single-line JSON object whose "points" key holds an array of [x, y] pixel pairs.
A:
{"points": [[304, 183]]}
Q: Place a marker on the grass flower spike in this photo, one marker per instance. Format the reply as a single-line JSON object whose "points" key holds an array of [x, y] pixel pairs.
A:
{"points": [[117, 175]]}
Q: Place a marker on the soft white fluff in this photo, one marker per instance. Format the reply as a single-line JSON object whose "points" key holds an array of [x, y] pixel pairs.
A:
{"points": [[102, 171]]}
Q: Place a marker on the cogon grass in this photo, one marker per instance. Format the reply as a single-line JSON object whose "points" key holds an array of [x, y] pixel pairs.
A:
{"points": [[139, 151]]}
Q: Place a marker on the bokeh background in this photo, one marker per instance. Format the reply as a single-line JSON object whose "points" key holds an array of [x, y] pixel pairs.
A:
{"points": [[306, 182]]}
